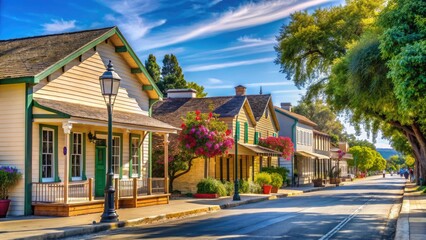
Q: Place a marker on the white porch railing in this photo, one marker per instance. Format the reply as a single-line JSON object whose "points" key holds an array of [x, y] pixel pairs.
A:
{"points": [[54, 192]]}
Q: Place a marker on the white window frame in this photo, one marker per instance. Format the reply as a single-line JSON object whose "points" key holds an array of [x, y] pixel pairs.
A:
{"points": [[80, 154], [133, 156], [52, 154]]}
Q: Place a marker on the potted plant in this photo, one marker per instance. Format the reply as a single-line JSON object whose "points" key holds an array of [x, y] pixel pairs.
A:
{"points": [[318, 182], [9, 176], [210, 188], [264, 180], [276, 182], [334, 176]]}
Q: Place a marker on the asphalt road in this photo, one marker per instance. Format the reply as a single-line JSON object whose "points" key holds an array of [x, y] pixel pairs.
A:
{"points": [[361, 210]]}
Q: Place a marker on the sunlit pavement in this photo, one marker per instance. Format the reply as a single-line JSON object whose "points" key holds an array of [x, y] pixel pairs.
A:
{"points": [[359, 210]]}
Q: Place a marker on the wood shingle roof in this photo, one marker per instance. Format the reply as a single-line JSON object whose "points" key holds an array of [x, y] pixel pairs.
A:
{"points": [[172, 109], [26, 57]]}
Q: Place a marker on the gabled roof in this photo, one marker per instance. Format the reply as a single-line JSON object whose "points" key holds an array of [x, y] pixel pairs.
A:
{"points": [[300, 118], [31, 59], [80, 111], [172, 109], [27, 57], [259, 104]]}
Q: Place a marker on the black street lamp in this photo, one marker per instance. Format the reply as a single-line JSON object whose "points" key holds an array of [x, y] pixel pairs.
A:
{"points": [[110, 82], [236, 196]]}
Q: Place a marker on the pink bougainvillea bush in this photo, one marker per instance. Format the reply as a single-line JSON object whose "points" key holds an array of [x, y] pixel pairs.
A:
{"points": [[203, 134], [280, 144]]}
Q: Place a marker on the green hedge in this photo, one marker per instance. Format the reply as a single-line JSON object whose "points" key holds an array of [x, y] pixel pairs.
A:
{"points": [[211, 185], [281, 171]]}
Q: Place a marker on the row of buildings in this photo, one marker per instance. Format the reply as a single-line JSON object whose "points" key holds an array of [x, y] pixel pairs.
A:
{"points": [[53, 125]]}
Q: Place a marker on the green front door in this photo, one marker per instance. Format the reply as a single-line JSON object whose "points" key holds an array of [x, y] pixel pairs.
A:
{"points": [[100, 170]]}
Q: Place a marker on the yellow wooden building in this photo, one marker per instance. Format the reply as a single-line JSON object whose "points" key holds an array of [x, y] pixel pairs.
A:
{"points": [[53, 123], [253, 113]]}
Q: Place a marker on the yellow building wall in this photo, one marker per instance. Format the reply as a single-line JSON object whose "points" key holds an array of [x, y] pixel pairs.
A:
{"points": [[80, 82], [266, 125], [12, 140]]}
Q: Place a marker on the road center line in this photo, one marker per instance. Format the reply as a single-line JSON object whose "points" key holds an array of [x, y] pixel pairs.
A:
{"points": [[343, 223]]}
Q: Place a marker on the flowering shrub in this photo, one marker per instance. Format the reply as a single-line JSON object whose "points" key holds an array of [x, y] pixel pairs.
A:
{"points": [[280, 144], [9, 176], [204, 135]]}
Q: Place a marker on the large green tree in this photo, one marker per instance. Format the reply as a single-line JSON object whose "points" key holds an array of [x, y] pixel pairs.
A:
{"points": [[171, 75], [153, 68]]}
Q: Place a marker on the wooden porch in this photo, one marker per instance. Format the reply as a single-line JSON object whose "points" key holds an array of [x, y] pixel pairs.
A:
{"points": [[54, 199]]}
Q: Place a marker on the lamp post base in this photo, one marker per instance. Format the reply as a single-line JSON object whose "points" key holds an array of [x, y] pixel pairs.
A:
{"points": [[109, 214], [236, 192]]}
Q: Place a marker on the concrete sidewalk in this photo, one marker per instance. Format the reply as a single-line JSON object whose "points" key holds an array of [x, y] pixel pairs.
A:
{"points": [[412, 219], [34, 227]]}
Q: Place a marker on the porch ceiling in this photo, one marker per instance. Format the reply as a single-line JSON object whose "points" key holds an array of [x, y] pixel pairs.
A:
{"points": [[261, 151], [85, 114]]}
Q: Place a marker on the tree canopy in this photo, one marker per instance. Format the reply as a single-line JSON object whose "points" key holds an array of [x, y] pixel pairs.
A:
{"points": [[171, 75]]}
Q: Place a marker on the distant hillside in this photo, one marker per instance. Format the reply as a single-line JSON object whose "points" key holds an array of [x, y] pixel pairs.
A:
{"points": [[387, 152]]}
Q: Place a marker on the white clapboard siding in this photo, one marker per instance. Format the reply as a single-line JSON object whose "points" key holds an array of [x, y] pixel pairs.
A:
{"points": [[12, 139], [80, 82]]}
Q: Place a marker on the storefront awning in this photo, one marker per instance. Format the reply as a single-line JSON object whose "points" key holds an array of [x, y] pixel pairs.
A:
{"points": [[304, 154], [320, 156], [261, 151], [84, 114]]}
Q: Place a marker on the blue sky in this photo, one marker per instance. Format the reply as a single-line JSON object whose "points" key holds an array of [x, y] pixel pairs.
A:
{"points": [[219, 43]]}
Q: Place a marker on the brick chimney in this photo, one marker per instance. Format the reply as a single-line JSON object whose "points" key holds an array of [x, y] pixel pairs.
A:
{"points": [[286, 106], [240, 90], [181, 93]]}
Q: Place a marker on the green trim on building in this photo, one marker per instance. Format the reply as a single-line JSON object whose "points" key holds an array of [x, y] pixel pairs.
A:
{"points": [[121, 49], [28, 149], [147, 87], [246, 132], [74, 55], [237, 130], [121, 149], [58, 113], [135, 70], [48, 116], [17, 80], [138, 136], [256, 137], [55, 149]]}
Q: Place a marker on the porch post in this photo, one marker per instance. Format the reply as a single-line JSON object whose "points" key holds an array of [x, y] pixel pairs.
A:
{"points": [[166, 163], [67, 130]]}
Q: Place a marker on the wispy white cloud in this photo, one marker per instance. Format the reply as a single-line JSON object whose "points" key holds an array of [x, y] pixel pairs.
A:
{"points": [[248, 85], [199, 68], [129, 17], [57, 26], [214, 2], [247, 39], [249, 15], [214, 81]]}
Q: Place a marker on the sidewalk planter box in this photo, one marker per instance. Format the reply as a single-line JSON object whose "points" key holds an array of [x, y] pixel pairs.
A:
{"points": [[334, 180], [206, 195], [4, 207], [267, 189], [318, 182]]}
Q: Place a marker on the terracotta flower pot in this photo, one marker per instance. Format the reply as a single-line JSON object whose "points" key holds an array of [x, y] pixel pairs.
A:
{"points": [[274, 189], [267, 189], [206, 195], [4, 207]]}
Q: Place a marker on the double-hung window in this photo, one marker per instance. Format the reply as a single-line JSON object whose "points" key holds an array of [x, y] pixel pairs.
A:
{"points": [[77, 156], [135, 155], [47, 154]]}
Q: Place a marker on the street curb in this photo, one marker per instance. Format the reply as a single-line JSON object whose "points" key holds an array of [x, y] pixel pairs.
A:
{"points": [[402, 226], [99, 227]]}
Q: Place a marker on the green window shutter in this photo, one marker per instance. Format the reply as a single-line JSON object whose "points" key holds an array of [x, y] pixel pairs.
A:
{"points": [[237, 130], [274, 134], [256, 137], [245, 132]]}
